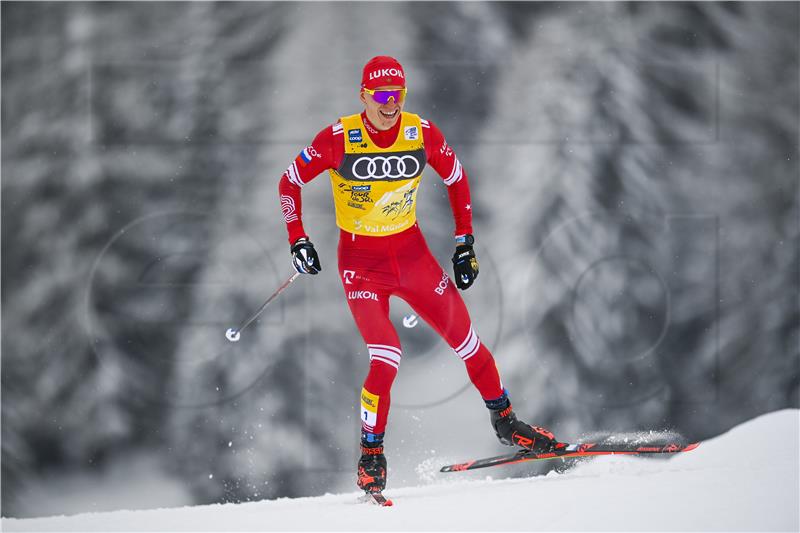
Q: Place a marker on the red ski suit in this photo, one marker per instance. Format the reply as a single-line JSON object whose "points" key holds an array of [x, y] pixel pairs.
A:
{"points": [[372, 268]]}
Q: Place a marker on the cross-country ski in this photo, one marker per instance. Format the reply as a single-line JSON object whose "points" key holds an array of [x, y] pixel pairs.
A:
{"points": [[566, 451]]}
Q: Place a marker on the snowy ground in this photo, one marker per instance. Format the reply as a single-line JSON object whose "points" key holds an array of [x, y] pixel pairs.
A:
{"points": [[718, 487]]}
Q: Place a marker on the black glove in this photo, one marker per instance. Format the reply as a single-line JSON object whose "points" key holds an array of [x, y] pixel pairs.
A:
{"points": [[465, 265], [305, 259]]}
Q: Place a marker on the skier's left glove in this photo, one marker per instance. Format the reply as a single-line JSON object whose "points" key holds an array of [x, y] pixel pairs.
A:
{"points": [[465, 264], [304, 257]]}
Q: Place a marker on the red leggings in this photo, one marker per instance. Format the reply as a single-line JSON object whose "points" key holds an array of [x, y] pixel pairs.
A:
{"points": [[374, 268]]}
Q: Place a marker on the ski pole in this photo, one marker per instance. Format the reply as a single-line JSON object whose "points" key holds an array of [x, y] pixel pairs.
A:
{"points": [[233, 334]]}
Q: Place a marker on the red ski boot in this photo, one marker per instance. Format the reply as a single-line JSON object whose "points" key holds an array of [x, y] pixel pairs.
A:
{"points": [[512, 432], [372, 468]]}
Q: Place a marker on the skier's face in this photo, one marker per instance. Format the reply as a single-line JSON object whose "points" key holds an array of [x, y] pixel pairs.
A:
{"points": [[383, 116]]}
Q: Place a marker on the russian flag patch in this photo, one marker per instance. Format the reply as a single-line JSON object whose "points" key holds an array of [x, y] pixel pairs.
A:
{"points": [[304, 158]]}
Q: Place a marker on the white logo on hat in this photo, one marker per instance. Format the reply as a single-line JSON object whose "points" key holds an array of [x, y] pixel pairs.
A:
{"points": [[384, 72]]}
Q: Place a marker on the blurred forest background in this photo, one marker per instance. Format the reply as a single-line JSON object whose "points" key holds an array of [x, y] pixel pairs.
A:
{"points": [[634, 172]]}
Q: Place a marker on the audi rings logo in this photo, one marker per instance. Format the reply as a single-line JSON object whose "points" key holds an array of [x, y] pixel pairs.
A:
{"points": [[390, 167]]}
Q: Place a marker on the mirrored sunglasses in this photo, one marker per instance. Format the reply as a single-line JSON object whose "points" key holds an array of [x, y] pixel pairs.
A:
{"points": [[383, 96]]}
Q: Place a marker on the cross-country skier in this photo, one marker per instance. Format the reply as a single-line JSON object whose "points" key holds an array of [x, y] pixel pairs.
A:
{"points": [[375, 161]]}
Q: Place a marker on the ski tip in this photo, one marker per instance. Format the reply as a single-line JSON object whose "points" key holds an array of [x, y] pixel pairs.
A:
{"points": [[692, 446], [378, 499]]}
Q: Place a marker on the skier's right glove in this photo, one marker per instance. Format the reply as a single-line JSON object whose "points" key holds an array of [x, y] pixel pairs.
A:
{"points": [[465, 264], [304, 257]]}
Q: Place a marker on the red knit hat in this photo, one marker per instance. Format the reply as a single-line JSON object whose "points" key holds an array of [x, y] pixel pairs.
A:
{"points": [[382, 70]]}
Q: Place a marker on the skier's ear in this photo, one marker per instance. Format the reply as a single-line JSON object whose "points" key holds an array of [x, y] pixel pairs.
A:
{"points": [[362, 97]]}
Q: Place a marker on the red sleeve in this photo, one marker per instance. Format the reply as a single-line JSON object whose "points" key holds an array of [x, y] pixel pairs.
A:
{"points": [[444, 161], [324, 152]]}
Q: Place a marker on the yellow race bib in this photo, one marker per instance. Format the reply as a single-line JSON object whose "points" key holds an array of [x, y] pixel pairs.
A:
{"points": [[375, 189], [369, 408]]}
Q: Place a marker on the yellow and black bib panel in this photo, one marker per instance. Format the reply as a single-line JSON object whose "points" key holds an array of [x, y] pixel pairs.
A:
{"points": [[375, 189]]}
